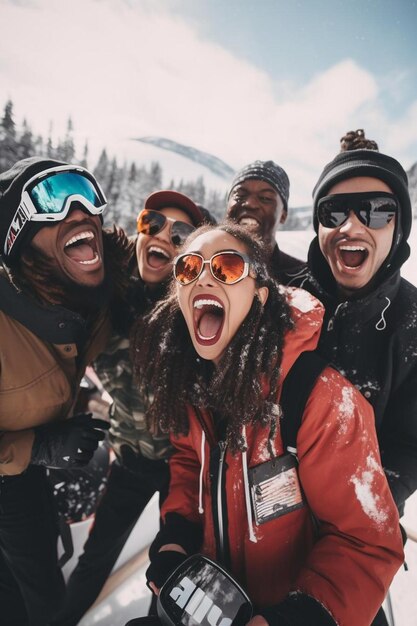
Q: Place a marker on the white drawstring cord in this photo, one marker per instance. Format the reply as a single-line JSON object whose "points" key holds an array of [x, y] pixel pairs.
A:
{"points": [[383, 326], [247, 495], [200, 481], [299, 274]]}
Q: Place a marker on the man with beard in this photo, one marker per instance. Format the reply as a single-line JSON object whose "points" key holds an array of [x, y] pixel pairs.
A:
{"points": [[53, 321], [258, 200]]}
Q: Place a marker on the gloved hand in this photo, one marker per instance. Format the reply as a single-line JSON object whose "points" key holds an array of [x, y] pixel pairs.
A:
{"points": [[162, 565], [69, 443]]}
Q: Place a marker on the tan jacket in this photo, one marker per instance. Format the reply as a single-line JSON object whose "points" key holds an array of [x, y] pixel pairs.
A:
{"points": [[39, 379]]}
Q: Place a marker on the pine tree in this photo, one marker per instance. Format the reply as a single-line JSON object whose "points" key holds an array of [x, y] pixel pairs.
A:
{"points": [[216, 204], [26, 146], [126, 205], [50, 151], [199, 191], [84, 160], [112, 184], [133, 172], [155, 176], [8, 143], [66, 148], [39, 147], [101, 170]]}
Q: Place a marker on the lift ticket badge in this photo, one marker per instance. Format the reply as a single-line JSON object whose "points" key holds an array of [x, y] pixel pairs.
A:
{"points": [[275, 488]]}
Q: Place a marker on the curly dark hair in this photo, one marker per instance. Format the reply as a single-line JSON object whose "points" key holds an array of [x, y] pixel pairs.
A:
{"points": [[356, 140], [243, 389]]}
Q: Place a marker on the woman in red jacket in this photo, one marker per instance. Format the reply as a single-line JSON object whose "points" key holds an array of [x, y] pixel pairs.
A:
{"points": [[315, 544]]}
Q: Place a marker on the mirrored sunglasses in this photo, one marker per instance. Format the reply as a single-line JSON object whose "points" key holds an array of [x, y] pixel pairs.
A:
{"points": [[152, 222], [228, 267], [375, 209]]}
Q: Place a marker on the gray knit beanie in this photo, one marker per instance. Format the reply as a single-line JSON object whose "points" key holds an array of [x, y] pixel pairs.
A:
{"points": [[268, 171]]}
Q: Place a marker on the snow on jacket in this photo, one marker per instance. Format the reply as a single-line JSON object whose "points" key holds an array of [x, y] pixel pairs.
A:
{"points": [[373, 342], [43, 355], [348, 565]]}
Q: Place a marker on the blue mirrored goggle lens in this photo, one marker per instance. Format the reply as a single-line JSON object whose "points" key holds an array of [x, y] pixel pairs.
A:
{"points": [[50, 195]]}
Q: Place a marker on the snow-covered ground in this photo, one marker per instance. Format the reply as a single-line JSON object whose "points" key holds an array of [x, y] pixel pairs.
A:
{"points": [[130, 596]]}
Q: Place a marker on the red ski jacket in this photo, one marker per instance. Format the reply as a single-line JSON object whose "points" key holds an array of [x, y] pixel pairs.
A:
{"points": [[265, 531]]}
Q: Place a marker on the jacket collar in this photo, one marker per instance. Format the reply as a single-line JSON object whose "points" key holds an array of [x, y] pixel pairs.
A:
{"points": [[53, 324], [367, 304]]}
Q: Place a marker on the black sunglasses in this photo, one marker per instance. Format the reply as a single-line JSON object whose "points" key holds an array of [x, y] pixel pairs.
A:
{"points": [[375, 209], [152, 222]]}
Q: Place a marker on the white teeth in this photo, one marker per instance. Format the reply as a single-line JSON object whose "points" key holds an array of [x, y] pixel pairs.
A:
{"points": [[353, 248], [248, 221], [205, 338], [198, 304], [159, 251], [94, 260], [87, 234]]}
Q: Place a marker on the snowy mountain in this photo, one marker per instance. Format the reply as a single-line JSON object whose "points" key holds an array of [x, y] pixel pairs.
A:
{"points": [[182, 163], [214, 164]]}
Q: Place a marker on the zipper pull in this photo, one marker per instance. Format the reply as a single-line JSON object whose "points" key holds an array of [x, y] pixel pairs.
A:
{"points": [[222, 445], [340, 306]]}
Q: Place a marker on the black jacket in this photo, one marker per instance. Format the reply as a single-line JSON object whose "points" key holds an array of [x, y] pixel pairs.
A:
{"points": [[282, 262], [372, 340]]}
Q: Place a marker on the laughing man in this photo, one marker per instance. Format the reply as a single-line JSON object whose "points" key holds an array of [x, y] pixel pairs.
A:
{"points": [[54, 303], [258, 201], [362, 217]]}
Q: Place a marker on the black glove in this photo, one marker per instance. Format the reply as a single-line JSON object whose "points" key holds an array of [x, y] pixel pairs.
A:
{"points": [[69, 443], [162, 565]]}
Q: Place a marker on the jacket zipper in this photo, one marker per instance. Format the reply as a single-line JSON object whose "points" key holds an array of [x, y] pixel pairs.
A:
{"points": [[217, 493], [220, 521]]}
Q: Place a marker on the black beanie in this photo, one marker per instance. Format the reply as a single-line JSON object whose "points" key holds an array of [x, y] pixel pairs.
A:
{"points": [[268, 171], [11, 184], [367, 163]]}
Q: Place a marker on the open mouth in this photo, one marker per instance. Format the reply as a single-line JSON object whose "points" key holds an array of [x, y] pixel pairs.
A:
{"points": [[249, 222], [82, 248], [157, 257], [208, 319], [353, 257]]}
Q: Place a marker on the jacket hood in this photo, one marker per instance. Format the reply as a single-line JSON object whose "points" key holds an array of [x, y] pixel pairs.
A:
{"points": [[12, 183], [307, 314], [322, 273]]}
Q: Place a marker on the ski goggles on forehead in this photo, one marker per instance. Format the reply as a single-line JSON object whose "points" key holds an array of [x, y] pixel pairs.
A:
{"points": [[48, 196], [228, 267], [152, 222], [374, 209]]}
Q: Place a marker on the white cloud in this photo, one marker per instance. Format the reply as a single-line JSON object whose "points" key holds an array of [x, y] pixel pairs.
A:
{"points": [[125, 70]]}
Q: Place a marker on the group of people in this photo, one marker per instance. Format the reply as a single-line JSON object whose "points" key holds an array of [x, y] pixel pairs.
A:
{"points": [[196, 329]]}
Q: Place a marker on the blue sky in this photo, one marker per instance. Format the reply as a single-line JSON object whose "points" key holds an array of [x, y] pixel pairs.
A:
{"points": [[379, 34], [241, 80], [296, 40]]}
